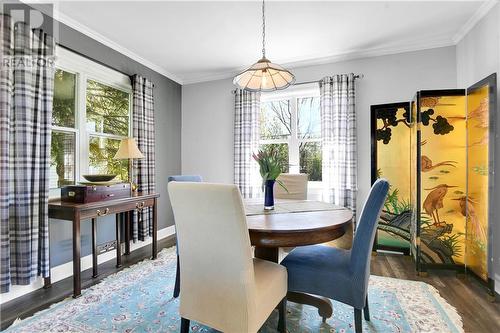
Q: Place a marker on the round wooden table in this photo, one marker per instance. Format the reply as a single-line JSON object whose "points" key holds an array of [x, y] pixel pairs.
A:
{"points": [[296, 223]]}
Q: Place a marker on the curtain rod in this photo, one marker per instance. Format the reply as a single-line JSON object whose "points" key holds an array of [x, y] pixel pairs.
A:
{"points": [[356, 77], [98, 61]]}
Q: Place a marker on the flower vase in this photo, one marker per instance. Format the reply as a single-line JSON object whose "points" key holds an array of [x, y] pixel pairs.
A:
{"points": [[269, 195]]}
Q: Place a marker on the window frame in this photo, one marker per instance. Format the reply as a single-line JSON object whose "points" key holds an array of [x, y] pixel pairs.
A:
{"points": [[292, 94], [86, 69]]}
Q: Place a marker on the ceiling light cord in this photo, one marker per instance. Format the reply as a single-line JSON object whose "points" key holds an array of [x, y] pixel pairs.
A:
{"points": [[263, 30]]}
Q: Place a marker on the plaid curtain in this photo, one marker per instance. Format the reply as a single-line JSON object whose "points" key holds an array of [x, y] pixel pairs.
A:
{"points": [[246, 142], [144, 169], [26, 91], [338, 132]]}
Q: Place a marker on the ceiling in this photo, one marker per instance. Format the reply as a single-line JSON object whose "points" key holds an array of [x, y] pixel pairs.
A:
{"points": [[199, 41]]}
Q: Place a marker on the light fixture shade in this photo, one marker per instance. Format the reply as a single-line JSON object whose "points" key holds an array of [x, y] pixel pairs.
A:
{"points": [[264, 76], [128, 149]]}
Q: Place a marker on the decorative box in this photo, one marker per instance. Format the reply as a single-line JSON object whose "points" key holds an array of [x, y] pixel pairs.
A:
{"points": [[94, 193]]}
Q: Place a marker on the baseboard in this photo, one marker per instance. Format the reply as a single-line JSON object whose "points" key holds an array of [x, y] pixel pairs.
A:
{"points": [[66, 270]]}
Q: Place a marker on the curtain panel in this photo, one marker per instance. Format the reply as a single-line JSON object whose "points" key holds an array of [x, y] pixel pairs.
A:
{"points": [[338, 128], [246, 142], [26, 93], [144, 169]]}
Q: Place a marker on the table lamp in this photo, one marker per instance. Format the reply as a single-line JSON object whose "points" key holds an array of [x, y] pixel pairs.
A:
{"points": [[128, 150]]}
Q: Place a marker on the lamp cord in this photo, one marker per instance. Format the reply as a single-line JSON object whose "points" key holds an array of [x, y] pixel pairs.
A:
{"points": [[263, 30]]}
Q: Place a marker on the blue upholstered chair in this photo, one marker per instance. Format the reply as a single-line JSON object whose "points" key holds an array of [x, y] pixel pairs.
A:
{"points": [[340, 274], [181, 178]]}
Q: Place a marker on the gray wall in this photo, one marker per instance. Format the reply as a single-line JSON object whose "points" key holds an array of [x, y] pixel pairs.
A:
{"points": [[167, 99], [478, 55], [207, 108]]}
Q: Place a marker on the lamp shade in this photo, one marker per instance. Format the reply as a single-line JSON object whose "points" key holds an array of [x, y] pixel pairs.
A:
{"points": [[128, 149], [264, 76]]}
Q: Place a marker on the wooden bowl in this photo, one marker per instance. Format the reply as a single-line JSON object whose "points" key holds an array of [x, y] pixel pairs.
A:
{"points": [[99, 178]]}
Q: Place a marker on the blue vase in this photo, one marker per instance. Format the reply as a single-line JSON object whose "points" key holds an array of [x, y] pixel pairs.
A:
{"points": [[269, 195]]}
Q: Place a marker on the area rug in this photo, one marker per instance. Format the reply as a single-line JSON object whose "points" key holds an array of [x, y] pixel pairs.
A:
{"points": [[139, 299]]}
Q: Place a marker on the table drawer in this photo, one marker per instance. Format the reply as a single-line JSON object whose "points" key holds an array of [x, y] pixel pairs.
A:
{"points": [[113, 209]]}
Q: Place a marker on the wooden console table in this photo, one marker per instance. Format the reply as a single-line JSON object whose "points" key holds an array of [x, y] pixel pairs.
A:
{"points": [[77, 212]]}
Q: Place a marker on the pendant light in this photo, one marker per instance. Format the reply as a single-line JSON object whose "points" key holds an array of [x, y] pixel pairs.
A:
{"points": [[264, 75]]}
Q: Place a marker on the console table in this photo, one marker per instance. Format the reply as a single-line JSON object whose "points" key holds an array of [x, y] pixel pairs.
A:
{"points": [[76, 212]]}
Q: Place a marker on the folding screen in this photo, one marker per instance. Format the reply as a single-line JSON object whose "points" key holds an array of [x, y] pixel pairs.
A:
{"points": [[440, 178], [391, 138], [437, 153], [479, 201]]}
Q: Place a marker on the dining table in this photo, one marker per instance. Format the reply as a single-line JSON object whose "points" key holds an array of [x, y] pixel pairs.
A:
{"points": [[294, 223]]}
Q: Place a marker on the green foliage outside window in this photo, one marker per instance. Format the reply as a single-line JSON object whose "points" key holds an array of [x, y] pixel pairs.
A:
{"points": [[107, 109], [62, 159], [62, 148], [63, 109], [276, 123], [101, 152], [107, 112], [310, 160]]}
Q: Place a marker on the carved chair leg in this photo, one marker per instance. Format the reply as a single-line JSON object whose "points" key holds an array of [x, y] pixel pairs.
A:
{"points": [[184, 325], [282, 316], [366, 310], [358, 324]]}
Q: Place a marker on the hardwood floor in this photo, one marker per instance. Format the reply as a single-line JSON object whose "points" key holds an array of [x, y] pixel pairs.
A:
{"points": [[466, 295]]}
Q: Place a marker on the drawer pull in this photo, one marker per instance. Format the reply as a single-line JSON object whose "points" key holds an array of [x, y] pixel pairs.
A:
{"points": [[104, 213], [139, 205]]}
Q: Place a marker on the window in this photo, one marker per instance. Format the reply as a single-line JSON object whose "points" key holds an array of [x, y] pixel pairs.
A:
{"points": [[91, 114], [290, 122], [63, 144]]}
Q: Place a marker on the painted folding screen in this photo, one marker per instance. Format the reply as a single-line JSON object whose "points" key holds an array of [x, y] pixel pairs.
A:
{"points": [[437, 153], [391, 160], [479, 201], [441, 137]]}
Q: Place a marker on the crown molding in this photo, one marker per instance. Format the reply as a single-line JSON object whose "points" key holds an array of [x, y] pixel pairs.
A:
{"points": [[115, 46], [349, 55], [481, 12]]}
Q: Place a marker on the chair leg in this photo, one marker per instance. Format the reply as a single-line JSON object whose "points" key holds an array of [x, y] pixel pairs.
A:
{"points": [[358, 325], [282, 316], [184, 325], [177, 286], [366, 310]]}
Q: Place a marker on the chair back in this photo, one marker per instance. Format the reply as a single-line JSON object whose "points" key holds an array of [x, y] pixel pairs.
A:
{"points": [[185, 178], [296, 184], [217, 272], [365, 235]]}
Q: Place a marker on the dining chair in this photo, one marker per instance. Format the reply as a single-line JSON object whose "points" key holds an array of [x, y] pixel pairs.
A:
{"points": [[222, 286], [336, 273], [296, 184], [181, 178]]}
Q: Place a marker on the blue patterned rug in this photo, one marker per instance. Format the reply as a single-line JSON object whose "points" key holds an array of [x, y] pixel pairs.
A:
{"points": [[139, 299]]}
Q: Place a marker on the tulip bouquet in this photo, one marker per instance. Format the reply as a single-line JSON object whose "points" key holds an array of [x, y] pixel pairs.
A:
{"points": [[270, 168]]}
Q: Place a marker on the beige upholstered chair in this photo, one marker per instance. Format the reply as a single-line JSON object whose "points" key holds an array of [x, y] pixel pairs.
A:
{"points": [[222, 286], [296, 184]]}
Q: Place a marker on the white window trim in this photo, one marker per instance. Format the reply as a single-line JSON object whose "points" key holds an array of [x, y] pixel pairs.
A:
{"points": [[292, 94], [86, 69]]}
